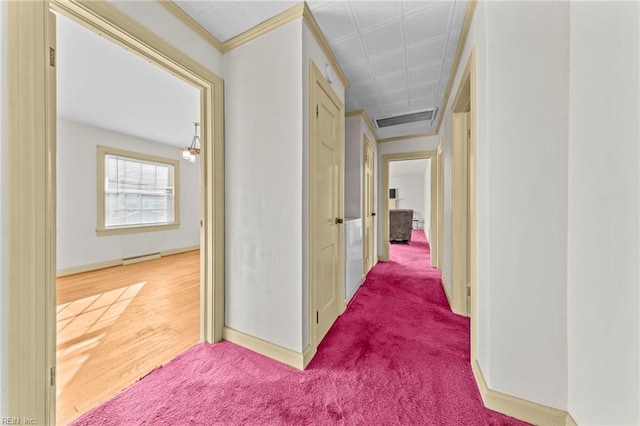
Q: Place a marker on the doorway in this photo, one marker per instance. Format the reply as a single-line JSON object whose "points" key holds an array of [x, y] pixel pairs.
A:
{"points": [[326, 180], [31, 77], [463, 196], [368, 206], [386, 201], [129, 280]]}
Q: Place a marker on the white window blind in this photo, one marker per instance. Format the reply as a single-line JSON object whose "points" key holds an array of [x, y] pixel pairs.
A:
{"points": [[138, 192]]}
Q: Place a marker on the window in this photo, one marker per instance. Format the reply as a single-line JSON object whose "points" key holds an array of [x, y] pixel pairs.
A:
{"points": [[136, 192]]}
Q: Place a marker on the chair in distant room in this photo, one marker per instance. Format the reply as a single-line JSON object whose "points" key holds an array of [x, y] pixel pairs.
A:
{"points": [[400, 224]]}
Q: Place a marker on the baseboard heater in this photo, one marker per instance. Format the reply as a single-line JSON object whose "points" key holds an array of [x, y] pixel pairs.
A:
{"points": [[140, 258]]}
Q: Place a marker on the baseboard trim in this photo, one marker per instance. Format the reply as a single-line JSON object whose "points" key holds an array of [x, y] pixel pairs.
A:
{"points": [[519, 408], [308, 355], [268, 349], [446, 291], [571, 421], [118, 262]]}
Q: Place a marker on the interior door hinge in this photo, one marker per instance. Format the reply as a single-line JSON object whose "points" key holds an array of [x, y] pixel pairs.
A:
{"points": [[317, 317], [52, 57], [53, 376], [469, 133], [316, 111], [469, 291]]}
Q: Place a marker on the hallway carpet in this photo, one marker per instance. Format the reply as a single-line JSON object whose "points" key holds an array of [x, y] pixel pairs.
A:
{"points": [[397, 356]]}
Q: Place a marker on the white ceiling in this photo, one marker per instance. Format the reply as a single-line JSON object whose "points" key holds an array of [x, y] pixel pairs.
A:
{"points": [[408, 168], [397, 55], [103, 85]]}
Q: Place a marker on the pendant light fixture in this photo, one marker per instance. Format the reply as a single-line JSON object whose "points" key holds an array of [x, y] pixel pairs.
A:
{"points": [[189, 153]]}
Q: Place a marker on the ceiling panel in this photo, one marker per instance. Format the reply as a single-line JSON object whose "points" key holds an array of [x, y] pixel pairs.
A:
{"points": [[372, 13], [397, 54], [383, 38]]}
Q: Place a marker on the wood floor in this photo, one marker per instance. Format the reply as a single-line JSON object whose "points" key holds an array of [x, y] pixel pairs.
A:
{"points": [[117, 324]]}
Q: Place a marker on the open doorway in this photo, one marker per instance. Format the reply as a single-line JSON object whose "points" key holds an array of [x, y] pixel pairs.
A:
{"points": [[408, 180], [128, 218]]}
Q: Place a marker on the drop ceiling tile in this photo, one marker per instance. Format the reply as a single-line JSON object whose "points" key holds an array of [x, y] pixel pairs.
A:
{"points": [[359, 71], [335, 20], [369, 102], [385, 133], [228, 19], [370, 13], [393, 97], [452, 46], [424, 74], [383, 38], [420, 127], [351, 104], [392, 82], [194, 8], [420, 104], [422, 90], [459, 13], [426, 53], [444, 82], [429, 23], [396, 108], [267, 9], [439, 99], [388, 63], [348, 50], [375, 112], [361, 89], [414, 6]]}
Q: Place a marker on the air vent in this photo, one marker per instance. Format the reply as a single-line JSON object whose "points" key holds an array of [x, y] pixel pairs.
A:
{"points": [[413, 117]]}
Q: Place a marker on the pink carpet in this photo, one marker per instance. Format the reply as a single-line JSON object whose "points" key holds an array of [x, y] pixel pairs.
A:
{"points": [[397, 356]]}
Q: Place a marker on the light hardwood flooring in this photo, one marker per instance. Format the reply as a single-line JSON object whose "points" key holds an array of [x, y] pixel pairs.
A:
{"points": [[117, 324]]}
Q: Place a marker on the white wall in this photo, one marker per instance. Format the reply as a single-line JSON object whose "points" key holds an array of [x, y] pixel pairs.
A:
{"points": [[428, 143], [411, 192], [603, 271], [264, 186], [77, 241], [353, 152], [4, 189], [522, 195], [158, 20]]}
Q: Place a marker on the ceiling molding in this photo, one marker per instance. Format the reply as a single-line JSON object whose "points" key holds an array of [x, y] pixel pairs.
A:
{"points": [[186, 19], [402, 138], [456, 62], [265, 27], [363, 114], [324, 45]]}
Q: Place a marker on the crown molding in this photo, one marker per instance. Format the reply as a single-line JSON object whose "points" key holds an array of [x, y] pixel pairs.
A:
{"points": [[324, 45], [402, 138], [363, 114], [294, 12], [186, 19], [471, 7]]}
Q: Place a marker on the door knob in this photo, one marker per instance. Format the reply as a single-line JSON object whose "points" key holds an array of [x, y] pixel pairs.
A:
{"points": [[338, 220], [373, 214]]}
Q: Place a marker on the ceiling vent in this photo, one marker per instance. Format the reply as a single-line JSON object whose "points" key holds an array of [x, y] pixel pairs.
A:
{"points": [[413, 117]]}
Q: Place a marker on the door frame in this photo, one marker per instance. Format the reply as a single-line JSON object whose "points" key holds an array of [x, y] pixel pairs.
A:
{"points": [[386, 159], [366, 143], [32, 187], [317, 80], [465, 102]]}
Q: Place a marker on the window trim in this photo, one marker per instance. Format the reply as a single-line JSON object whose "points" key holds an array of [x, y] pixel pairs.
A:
{"points": [[101, 229]]}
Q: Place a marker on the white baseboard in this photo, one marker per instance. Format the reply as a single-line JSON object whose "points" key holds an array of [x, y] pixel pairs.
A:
{"points": [[270, 350], [519, 408], [118, 262]]}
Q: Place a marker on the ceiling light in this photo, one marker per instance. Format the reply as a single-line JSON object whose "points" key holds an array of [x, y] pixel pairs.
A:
{"points": [[189, 153]]}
